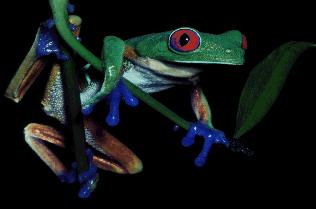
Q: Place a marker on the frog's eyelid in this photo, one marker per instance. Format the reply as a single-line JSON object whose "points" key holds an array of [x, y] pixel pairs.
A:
{"points": [[184, 28]]}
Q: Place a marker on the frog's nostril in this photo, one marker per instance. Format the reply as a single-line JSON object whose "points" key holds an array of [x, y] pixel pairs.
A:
{"points": [[244, 44]]}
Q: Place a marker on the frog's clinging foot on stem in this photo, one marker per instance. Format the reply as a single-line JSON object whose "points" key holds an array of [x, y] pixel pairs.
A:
{"points": [[89, 178], [211, 136], [121, 91], [114, 99]]}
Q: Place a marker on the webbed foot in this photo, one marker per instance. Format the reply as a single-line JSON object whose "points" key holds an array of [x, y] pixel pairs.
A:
{"points": [[210, 136], [88, 179], [114, 99], [121, 91]]}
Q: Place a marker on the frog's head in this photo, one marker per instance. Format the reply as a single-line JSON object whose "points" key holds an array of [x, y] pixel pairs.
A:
{"points": [[187, 45]]}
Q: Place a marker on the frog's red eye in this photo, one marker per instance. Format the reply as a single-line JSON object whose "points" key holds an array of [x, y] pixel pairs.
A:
{"points": [[184, 40]]}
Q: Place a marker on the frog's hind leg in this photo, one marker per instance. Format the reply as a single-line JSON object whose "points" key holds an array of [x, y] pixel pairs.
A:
{"points": [[36, 136], [121, 159], [112, 154]]}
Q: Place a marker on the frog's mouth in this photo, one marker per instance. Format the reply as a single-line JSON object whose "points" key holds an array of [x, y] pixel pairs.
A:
{"points": [[178, 69]]}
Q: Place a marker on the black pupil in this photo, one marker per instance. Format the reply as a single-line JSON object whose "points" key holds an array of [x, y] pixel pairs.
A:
{"points": [[184, 39]]}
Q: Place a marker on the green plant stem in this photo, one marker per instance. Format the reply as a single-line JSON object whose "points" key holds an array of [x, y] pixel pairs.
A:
{"points": [[60, 14], [73, 111]]}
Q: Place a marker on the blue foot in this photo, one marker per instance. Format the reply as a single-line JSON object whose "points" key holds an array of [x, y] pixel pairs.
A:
{"points": [[114, 99], [210, 136], [88, 187], [88, 179], [47, 43]]}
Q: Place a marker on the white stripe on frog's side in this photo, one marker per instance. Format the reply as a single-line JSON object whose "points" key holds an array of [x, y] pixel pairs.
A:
{"points": [[89, 91], [153, 76]]}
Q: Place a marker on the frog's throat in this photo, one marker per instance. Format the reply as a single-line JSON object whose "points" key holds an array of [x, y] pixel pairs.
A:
{"points": [[166, 68]]}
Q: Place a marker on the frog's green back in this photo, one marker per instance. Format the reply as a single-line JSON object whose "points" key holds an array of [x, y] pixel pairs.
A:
{"points": [[225, 48]]}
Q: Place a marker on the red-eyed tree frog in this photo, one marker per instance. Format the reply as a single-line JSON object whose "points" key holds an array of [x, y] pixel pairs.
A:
{"points": [[153, 63]]}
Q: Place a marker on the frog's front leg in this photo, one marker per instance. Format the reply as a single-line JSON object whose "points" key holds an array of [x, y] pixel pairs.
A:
{"points": [[112, 60], [203, 127], [112, 87]]}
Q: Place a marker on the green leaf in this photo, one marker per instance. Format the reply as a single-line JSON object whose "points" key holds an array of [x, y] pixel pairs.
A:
{"points": [[265, 83]]}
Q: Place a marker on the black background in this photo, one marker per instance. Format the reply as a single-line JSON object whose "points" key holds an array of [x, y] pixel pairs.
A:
{"points": [[282, 141]]}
